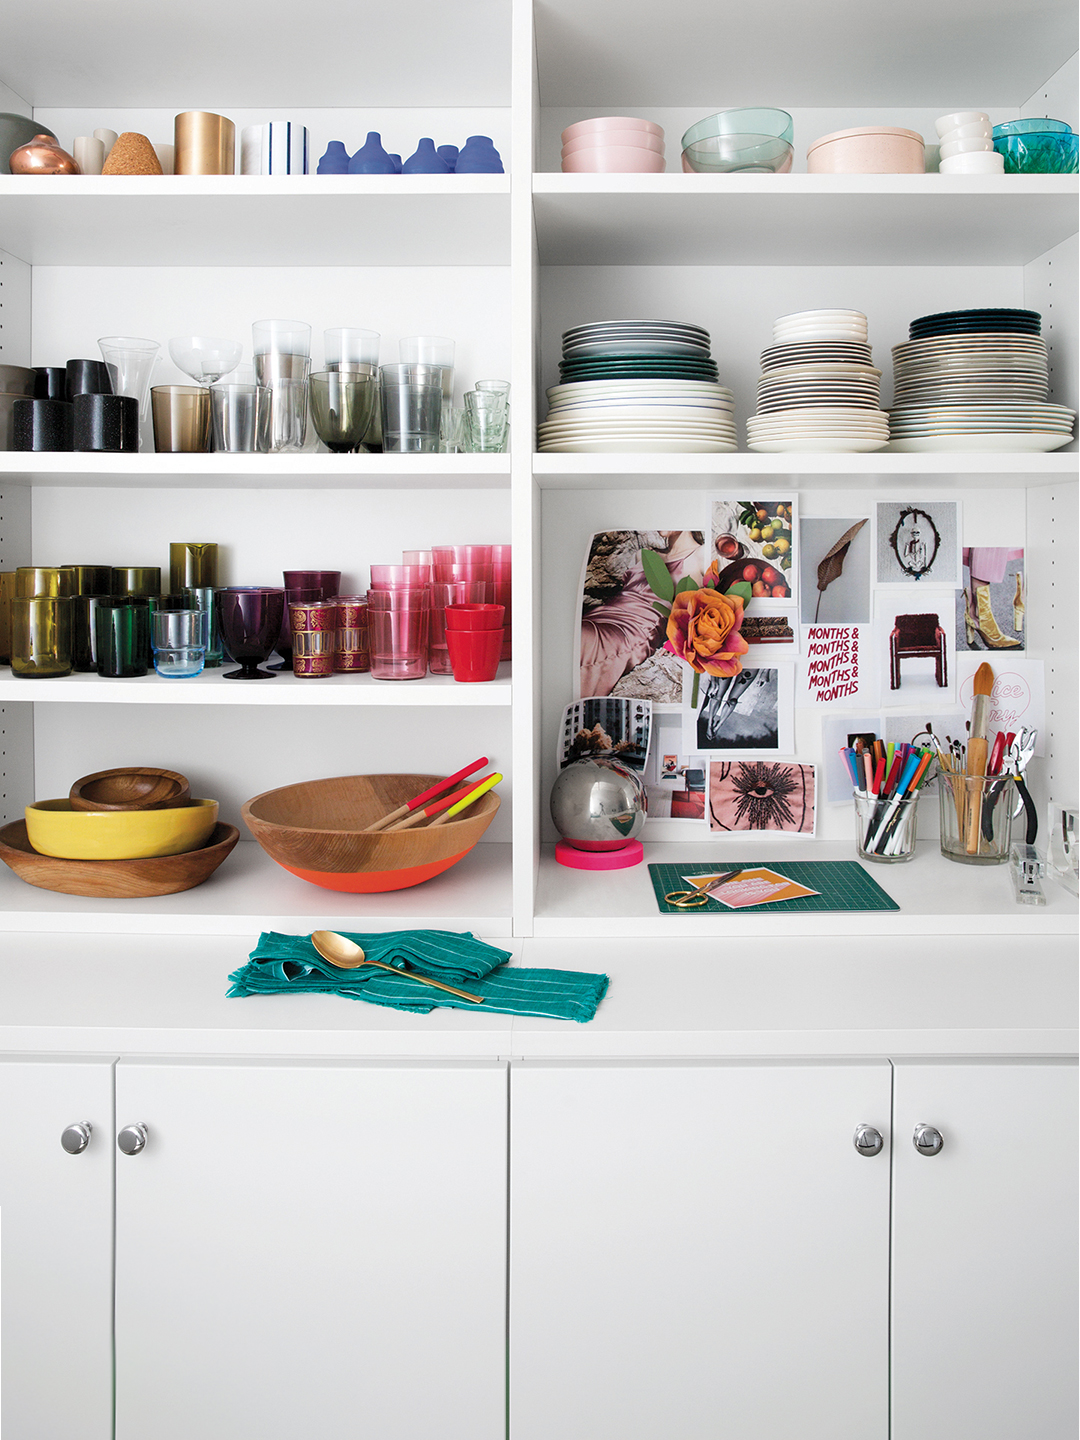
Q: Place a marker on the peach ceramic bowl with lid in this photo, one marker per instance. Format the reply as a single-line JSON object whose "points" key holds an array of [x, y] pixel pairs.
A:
{"points": [[867, 150]]}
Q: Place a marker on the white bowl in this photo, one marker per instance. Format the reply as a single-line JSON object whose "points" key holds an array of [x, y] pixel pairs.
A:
{"points": [[962, 117], [965, 147], [981, 163], [977, 131], [848, 316]]}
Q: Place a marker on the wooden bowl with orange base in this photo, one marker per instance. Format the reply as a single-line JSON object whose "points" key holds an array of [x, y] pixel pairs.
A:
{"points": [[314, 830]]}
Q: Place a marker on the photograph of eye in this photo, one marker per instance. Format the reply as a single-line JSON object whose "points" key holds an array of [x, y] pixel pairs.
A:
{"points": [[761, 795]]}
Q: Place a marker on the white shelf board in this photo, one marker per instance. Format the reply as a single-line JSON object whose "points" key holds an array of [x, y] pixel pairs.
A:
{"points": [[211, 688], [828, 53], [981, 470], [225, 57], [835, 998], [936, 897], [253, 220], [801, 219], [147, 471], [250, 893]]}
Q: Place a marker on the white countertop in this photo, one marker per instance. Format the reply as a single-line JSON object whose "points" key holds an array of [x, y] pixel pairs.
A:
{"points": [[678, 998]]}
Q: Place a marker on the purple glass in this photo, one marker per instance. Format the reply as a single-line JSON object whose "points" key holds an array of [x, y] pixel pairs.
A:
{"points": [[302, 587], [457, 592], [398, 622], [250, 625]]}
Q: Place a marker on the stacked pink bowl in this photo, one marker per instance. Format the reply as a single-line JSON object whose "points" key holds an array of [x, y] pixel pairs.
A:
{"points": [[613, 145]]}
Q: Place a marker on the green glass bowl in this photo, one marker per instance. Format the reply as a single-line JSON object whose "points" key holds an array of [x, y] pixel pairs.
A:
{"points": [[775, 124], [725, 154], [1038, 152]]}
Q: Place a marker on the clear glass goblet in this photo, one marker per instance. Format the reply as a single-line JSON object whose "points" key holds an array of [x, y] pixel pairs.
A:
{"points": [[205, 357], [342, 408]]}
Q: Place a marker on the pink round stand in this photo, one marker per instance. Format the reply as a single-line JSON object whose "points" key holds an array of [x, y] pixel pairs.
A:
{"points": [[630, 854]]}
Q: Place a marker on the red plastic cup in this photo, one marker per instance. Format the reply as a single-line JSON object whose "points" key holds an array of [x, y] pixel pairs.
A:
{"points": [[474, 618], [474, 654], [456, 592]]}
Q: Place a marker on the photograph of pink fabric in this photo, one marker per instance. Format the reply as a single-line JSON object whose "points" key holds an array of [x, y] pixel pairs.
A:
{"points": [[761, 795], [622, 632], [990, 608]]}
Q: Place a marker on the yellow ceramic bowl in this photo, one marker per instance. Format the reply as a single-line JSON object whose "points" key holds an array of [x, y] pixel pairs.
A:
{"points": [[54, 828]]}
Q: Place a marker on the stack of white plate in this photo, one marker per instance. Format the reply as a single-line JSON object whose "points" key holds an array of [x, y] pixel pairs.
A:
{"points": [[642, 415], [973, 386], [818, 389]]}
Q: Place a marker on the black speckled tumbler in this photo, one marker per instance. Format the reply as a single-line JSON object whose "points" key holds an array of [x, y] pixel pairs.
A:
{"points": [[42, 425], [51, 382], [106, 422], [88, 377]]}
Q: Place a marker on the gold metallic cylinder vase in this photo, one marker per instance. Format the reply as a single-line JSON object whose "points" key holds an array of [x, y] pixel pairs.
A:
{"points": [[136, 580], [314, 630], [205, 144], [351, 651], [40, 636], [7, 594], [32, 580], [192, 564]]}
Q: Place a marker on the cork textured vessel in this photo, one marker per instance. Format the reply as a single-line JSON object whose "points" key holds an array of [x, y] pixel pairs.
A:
{"points": [[132, 155]]}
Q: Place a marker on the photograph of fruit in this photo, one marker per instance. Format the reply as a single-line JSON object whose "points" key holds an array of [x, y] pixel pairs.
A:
{"points": [[754, 541]]}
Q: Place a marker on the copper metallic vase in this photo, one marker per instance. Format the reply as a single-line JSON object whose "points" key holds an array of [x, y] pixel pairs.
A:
{"points": [[42, 156], [205, 144]]}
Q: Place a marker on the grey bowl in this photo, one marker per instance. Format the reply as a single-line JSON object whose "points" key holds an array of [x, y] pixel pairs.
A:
{"points": [[17, 380], [16, 130]]}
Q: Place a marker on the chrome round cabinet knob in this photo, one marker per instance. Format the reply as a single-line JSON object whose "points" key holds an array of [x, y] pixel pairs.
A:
{"points": [[132, 1139], [76, 1137], [927, 1140], [867, 1140]]}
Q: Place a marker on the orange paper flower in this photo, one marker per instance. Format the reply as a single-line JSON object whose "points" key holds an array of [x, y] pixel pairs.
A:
{"points": [[703, 629]]}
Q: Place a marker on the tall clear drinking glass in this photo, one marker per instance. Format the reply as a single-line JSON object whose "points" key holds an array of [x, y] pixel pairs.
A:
{"points": [[412, 401]]}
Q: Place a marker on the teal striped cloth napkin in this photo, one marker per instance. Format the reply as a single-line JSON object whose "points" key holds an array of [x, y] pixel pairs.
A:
{"points": [[290, 965]]}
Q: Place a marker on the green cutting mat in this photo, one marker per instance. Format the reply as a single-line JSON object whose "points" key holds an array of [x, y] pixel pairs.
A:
{"points": [[843, 885]]}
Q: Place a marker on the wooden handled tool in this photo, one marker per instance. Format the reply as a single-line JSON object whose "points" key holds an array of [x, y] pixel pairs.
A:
{"points": [[977, 752]]}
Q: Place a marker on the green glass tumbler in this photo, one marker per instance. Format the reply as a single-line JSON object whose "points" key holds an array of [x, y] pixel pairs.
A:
{"points": [[7, 594], [204, 598], [91, 579], [192, 563], [135, 580], [122, 636], [40, 636]]}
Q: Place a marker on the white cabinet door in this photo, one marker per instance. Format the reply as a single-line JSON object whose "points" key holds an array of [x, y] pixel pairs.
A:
{"points": [[698, 1251], [311, 1250], [984, 1253], [55, 1251]]}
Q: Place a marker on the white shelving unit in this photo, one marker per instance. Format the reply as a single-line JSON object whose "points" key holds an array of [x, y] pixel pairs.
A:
{"points": [[504, 263]]}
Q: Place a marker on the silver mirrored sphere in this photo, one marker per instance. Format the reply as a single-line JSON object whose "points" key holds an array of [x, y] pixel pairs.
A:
{"points": [[598, 804]]}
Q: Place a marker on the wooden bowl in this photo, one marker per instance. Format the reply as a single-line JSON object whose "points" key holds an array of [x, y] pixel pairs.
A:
{"points": [[313, 831], [115, 879], [131, 787]]}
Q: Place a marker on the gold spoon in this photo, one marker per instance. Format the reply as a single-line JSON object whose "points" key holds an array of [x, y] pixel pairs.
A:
{"points": [[347, 955]]}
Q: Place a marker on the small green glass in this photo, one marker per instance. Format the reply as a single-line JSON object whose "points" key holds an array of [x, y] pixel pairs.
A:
{"points": [[34, 580], [204, 598], [122, 636], [83, 633], [40, 636], [135, 580], [91, 579]]}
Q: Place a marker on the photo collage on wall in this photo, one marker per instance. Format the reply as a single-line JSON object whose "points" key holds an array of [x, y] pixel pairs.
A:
{"points": [[715, 639]]}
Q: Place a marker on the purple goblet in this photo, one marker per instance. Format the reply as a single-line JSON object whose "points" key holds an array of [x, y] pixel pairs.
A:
{"points": [[302, 587], [250, 625]]}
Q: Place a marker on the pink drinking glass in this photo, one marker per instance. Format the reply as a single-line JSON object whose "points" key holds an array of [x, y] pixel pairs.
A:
{"points": [[398, 623], [400, 577], [461, 554], [456, 592], [463, 571], [500, 560]]}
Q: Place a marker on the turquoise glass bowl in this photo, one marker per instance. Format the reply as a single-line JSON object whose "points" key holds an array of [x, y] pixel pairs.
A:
{"points": [[1038, 152], [1025, 127], [724, 154], [756, 124]]}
